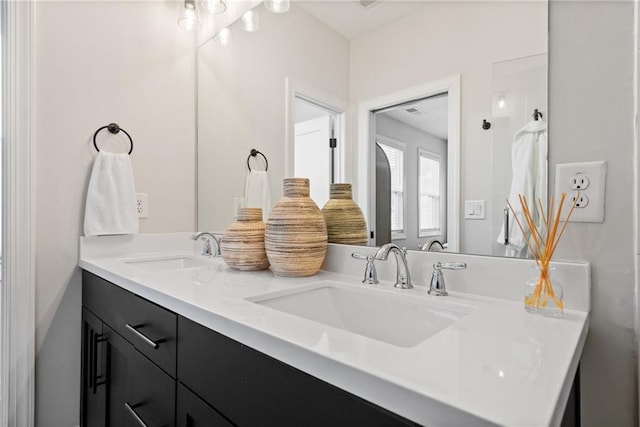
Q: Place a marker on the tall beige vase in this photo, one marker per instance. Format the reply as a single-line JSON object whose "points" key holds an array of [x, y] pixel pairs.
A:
{"points": [[296, 233], [242, 244], [345, 221]]}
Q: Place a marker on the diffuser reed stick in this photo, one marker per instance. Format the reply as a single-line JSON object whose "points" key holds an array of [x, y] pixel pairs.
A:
{"points": [[542, 242]]}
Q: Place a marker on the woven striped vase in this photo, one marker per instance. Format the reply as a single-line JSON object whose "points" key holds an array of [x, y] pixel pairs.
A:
{"points": [[345, 221], [296, 233], [242, 244]]}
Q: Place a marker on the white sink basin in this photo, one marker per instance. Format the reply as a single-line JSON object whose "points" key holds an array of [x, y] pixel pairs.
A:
{"points": [[166, 263], [400, 320]]}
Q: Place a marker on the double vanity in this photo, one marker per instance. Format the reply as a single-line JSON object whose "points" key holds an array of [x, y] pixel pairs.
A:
{"points": [[171, 337]]}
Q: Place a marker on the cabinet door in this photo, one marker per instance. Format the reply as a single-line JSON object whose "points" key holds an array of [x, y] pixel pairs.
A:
{"points": [[93, 389], [194, 412], [253, 389], [140, 393]]}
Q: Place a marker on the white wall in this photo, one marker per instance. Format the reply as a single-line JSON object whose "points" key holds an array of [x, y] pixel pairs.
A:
{"points": [[98, 62], [414, 140], [415, 50], [591, 106], [245, 103]]}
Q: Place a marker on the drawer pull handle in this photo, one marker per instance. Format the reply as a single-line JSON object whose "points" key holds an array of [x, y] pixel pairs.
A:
{"points": [[142, 336], [134, 414]]}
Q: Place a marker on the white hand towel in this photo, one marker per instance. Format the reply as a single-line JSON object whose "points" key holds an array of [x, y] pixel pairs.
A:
{"points": [[111, 198], [257, 193]]}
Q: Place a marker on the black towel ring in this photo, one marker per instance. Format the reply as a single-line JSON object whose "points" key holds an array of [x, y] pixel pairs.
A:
{"points": [[254, 153], [114, 129]]}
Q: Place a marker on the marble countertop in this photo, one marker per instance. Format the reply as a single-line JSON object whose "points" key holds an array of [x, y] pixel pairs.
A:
{"points": [[498, 365]]}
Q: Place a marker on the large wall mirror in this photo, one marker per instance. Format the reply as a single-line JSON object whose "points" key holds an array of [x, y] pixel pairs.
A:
{"points": [[394, 97]]}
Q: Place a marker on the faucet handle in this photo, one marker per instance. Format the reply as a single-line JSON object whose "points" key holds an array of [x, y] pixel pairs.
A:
{"points": [[458, 265], [437, 286], [370, 273]]}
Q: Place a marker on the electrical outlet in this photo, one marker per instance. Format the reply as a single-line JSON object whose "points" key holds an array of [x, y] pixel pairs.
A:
{"points": [[142, 205], [582, 201], [586, 182], [238, 203], [579, 182]]}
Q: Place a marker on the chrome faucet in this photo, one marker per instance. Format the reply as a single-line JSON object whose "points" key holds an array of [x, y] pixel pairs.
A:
{"points": [[403, 278], [432, 246], [208, 239], [438, 287]]}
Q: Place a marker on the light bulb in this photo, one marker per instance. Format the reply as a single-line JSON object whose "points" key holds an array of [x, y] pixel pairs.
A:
{"points": [[189, 20], [277, 6], [501, 102], [251, 21], [215, 6], [224, 37]]}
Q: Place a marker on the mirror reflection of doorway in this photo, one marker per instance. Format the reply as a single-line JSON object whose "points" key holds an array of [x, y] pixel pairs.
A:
{"points": [[411, 172], [316, 155]]}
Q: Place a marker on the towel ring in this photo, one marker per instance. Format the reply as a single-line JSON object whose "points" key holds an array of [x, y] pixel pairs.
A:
{"points": [[254, 153], [114, 129]]}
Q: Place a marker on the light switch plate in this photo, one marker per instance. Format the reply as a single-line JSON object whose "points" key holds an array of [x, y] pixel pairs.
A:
{"points": [[475, 209], [588, 180]]}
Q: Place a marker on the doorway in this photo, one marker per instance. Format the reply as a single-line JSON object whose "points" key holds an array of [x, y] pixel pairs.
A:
{"points": [[314, 140], [315, 148], [436, 209], [411, 144]]}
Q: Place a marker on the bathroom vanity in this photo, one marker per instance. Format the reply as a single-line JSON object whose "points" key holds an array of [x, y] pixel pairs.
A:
{"points": [[174, 338]]}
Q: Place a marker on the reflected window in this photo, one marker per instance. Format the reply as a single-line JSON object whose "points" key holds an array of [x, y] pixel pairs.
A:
{"points": [[430, 193], [395, 155]]}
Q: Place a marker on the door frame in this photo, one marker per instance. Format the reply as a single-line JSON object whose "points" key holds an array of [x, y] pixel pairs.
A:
{"points": [[17, 351], [365, 196], [294, 89]]}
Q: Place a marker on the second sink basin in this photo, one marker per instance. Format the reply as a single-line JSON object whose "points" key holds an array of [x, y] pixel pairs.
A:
{"points": [[400, 320]]}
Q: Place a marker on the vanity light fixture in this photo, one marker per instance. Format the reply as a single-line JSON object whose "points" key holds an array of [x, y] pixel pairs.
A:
{"points": [[189, 20], [224, 37], [277, 6], [250, 21], [214, 6], [502, 102]]}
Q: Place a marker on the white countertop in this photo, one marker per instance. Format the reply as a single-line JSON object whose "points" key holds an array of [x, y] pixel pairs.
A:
{"points": [[498, 365]]}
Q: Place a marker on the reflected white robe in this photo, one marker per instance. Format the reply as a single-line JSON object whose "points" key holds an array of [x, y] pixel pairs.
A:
{"points": [[529, 178]]}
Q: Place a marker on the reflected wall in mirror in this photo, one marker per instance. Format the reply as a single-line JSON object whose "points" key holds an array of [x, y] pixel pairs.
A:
{"points": [[340, 57]]}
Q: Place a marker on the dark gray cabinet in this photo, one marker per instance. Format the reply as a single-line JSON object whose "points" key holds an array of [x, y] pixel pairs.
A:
{"points": [[195, 412], [92, 410], [126, 370], [144, 365]]}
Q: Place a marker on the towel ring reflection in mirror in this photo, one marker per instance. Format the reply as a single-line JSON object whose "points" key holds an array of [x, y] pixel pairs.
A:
{"points": [[254, 153], [114, 129]]}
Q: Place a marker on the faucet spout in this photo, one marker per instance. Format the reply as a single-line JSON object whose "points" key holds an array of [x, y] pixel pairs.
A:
{"points": [[403, 277], [209, 239]]}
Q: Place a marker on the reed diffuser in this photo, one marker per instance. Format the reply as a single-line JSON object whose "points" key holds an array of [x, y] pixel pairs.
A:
{"points": [[541, 295]]}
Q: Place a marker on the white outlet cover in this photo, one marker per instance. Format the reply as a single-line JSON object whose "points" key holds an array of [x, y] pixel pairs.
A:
{"points": [[142, 205], [597, 174]]}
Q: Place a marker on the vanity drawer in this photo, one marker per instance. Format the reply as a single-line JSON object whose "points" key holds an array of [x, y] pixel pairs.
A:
{"points": [[251, 388], [194, 412], [150, 328]]}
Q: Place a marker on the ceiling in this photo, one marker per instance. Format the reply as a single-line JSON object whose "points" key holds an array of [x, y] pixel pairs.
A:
{"points": [[352, 20], [430, 117]]}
